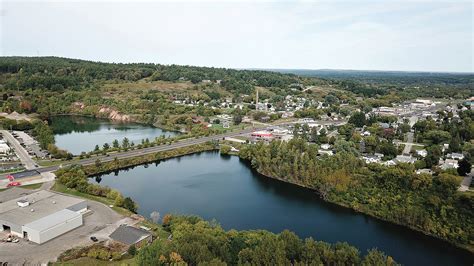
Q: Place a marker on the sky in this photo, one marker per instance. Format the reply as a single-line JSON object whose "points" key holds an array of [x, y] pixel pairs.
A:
{"points": [[365, 35]]}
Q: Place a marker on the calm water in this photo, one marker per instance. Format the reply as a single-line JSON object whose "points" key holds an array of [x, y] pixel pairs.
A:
{"points": [[226, 189], [77, 133]]}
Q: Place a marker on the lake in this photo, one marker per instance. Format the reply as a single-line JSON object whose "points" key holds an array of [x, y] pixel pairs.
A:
{"points": [[227, 189], [78, 134]]}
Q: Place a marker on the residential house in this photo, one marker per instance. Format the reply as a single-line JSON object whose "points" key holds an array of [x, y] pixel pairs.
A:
{"points": [[130, 235]]}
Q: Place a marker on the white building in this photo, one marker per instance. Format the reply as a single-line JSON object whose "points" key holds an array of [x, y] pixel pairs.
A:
{"points": [[422, 153], [41, 215], [448, 164], [455, 156], [404, 159]]}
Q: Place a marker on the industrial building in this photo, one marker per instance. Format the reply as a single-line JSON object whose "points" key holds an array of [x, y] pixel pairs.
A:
{"points": [[41, 215]]}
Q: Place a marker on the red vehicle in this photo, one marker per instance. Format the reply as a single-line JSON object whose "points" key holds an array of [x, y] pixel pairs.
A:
{"points": [[13, 184], [10, 177]]}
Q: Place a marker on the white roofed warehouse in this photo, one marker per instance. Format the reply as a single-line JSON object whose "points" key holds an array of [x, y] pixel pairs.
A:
{"points": [[41, 216]]}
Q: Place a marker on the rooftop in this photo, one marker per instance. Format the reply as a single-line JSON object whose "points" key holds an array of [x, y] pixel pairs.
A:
{"points": [[129, 235], [52, 220], [43, 203]]}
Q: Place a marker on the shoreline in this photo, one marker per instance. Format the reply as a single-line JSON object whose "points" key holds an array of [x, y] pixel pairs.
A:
{"points": [[463, 247], [92, 172], [155, 125]]}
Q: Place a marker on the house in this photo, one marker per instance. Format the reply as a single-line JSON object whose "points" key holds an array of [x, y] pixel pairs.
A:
{"points": [[424, 171], [404, 159], [448, 164], [325, 146], [389, 163], [325, 152], [371, 159], [130, 235], [455, 156], [422, 153]]}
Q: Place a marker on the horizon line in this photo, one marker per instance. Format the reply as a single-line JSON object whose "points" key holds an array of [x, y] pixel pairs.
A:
{"points": [[255, 68]]}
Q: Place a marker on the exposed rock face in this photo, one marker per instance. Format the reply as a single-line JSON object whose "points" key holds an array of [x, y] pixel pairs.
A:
{"points": [[78, 105], [114, 115]]}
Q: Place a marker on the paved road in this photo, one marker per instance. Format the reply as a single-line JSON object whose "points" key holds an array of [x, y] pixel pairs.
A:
{"points": [[19, 150], [409, 143], [149, 150]]}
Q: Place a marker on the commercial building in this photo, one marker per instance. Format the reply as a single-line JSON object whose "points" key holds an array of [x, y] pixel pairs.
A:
{"points": [[41, 216]]}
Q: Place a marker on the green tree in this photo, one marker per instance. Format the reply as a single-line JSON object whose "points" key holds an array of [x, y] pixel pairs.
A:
{"points": [[464, 167], [130, 205], [115, 144], [357, 119]]}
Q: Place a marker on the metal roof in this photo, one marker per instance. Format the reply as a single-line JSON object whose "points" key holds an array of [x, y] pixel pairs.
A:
{"points": [[43, 203], [128, 234], [52, 220]]}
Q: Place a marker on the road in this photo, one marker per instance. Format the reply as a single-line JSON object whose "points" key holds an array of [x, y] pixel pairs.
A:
{"points": [[409, 143], [19, 150], [149, 150]]}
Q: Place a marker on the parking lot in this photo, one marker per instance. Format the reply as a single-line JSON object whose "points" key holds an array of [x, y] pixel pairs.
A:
{"points": [[99, 222]]}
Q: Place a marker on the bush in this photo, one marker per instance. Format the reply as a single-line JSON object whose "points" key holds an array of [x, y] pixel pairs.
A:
{"points": [[132, 250], [225, 149]]}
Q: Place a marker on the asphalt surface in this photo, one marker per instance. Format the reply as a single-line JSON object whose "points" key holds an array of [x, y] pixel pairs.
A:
{"points": [[100, 222]]}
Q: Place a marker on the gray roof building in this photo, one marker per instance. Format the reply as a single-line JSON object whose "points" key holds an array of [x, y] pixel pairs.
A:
{"points": [[130, 235], [41, 215]]}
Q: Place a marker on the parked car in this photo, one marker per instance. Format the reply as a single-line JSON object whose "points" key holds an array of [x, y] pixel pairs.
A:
{"points": [[13, 184], [93, 238]]}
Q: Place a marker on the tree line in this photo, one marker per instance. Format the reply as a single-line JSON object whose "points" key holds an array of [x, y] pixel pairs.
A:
{"points": [[426, 203], [198, 242]]}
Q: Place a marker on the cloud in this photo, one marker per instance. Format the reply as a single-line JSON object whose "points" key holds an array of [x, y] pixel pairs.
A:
{"points": [[406, 35]]}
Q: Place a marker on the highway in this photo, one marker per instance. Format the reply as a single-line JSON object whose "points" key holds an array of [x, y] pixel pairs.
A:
{"points": [[160, 148], [149, 150]]}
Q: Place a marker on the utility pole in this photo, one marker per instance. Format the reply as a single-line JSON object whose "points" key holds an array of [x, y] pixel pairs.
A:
{"points": [[256, 99]]}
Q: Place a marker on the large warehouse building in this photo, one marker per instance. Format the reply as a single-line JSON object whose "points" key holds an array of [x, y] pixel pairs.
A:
{"points": [[41, 216]]}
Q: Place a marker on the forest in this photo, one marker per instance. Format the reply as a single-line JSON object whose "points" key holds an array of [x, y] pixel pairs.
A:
{"points": [[56, 74], [198, 242], [430, 204]]}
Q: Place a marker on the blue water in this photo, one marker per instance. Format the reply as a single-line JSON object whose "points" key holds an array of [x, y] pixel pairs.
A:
{"points": [[225, 188], [78, 134]]}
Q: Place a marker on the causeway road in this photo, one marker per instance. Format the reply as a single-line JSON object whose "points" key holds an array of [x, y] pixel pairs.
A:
{"points": [[149, 150]]}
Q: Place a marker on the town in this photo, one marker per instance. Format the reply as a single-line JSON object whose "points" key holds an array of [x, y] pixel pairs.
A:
{"points": [[270, 133]]}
